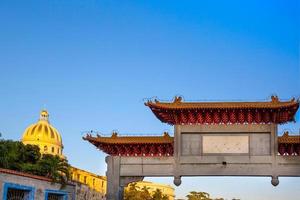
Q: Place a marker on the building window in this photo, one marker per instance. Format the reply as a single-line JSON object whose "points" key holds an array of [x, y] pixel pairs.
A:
{"points": [[84, 179], [52, 149], [78, 177], [45, 148], [57, 150], [56, 195], [16, 191], [102, 183], [93, 182]]}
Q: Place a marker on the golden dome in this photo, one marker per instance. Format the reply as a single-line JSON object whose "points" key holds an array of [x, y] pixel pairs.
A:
{"points": [[44, 135]]}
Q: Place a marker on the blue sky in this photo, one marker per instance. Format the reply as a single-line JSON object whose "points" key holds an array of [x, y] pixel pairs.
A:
{"points": [[93, 63]]}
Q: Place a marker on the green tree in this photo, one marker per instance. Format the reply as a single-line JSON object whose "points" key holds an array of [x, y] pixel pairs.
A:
{"points": [[132, 192], [145, 194], [11, 154], [198, 196], [27, 158], [4, 156], [55, 168], [31, 153], [158, 195]]}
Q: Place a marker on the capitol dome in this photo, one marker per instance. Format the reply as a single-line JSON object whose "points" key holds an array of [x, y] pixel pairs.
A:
{"points": [[44, 135]]}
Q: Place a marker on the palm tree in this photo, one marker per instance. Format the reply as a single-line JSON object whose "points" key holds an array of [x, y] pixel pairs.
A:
{"points": [[55, 168]]}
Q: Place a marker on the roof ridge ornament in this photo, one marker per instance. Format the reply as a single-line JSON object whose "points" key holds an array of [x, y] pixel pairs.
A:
{"points": [[285, 134], [166, 134], [275, 99], [177, 100], [293, 99], [114, 134]]}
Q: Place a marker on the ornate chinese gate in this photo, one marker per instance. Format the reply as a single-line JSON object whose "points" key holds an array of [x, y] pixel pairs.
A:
{"points": [[210, 139]]}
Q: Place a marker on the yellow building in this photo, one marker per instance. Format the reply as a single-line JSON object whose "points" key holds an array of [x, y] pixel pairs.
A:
{"points": [[49, 140], [94, 181]]}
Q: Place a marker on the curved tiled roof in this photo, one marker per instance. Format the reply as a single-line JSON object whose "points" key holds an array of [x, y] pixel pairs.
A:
{"points": [[179, 112], [164, 145], [115, 139], [179, 104], [289, 139], [133, 145]]}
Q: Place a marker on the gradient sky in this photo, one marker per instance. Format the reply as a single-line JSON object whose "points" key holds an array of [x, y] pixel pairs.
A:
{"points": [[93, 63]]}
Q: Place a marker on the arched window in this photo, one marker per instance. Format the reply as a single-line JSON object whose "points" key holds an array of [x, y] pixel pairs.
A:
{"points": [[45, 148], [52, 149], [57, 150]]}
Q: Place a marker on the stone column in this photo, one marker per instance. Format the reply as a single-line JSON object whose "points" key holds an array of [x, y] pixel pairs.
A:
{"points": [[176, 154], [113, 178], [116, 183], [274, 153]]}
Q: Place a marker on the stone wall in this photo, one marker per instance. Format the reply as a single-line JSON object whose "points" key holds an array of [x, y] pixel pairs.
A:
{"points": [[83, 192]]}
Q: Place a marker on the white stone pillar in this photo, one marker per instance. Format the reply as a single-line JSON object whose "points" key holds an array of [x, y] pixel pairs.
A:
{"points": [[116, 183], [113, 178]]}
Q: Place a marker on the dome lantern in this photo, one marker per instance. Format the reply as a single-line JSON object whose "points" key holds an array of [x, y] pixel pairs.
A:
{"points": [[44, 115]]}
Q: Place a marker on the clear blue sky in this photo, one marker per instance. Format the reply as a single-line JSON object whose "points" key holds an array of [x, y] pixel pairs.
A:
{"points": [[92, 64]]}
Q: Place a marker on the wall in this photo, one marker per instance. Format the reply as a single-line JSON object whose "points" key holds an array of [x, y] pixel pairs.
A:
{"points": [[83, 192], [41, 185]]}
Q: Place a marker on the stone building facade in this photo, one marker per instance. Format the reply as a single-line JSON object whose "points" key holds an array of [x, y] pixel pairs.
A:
{"points": [[18, 185]]}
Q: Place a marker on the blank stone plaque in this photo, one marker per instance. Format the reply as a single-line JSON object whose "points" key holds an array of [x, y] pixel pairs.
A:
{"points": [[225, 144]]}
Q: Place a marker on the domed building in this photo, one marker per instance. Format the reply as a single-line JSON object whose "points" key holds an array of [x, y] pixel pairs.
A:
{"points": [[49, 140], [44, 135]]}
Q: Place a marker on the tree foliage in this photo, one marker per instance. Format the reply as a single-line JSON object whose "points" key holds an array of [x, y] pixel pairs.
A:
{"points": [[27, 158], [134, 192], [55, 168], [198, 196], [158, 195], [201, 196]]}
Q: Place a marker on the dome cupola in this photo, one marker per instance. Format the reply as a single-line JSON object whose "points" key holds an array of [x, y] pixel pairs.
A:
{"points": [[44, 135]]}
